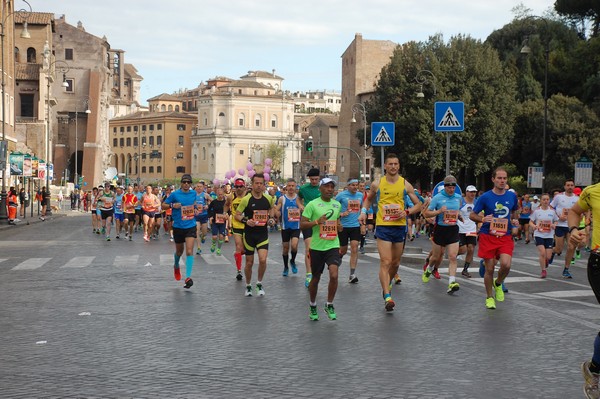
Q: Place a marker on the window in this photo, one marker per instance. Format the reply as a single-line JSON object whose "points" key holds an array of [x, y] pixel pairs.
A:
{"points": [[180, 155], [115, 130], [68, 54], [180, 141], [143, 128], [180, 126], [121, 129], [170, 107], [128, 141], [70, 88], [159, 169], [143, 156], [163, 108], [204, 153], [143, 167], [205, 118], [31, 55], [274, 121], [185, 106], [242, 119], [257, 120], [144, 141], [135, 141], [128, 129], [159, 140], [181, 169], [151, 128], [177, 108], [151, 169], [115, 142], [151, 141], [159, 126], [121, 142], [27, 104], [239, 91], [135, 128], [17, 57]]}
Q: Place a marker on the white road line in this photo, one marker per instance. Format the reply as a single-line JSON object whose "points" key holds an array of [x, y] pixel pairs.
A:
{"points": [[167, 260], [79, 261], [566, 294], [130, 260], [31, 264], [216, 260], [2, 260]]}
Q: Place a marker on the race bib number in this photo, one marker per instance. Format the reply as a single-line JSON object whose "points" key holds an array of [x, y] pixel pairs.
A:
{"points": [[293, 214], [107, 202], [370, 216], [450, 217], [565, 212], [328, 230], [472, 234], [526, 210], [353, 206], [499, 227], [544, 226], [219, 218], [187, 212], [119, 206], [261, 217], [391, 212]]}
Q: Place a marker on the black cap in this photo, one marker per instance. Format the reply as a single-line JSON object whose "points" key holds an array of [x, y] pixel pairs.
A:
{"points": [[186, 177], [313, 172]]}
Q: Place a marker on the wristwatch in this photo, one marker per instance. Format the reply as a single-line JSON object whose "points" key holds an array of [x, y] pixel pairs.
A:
{"points": [[573, 228]]}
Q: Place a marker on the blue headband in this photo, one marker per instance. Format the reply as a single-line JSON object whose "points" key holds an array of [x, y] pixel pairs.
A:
{"points": [[352, 181]]}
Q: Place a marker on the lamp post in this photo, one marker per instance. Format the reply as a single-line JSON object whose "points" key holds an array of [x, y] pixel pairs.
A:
{"points": [[86, 105], [63, 68], [135, 158], [526, 50], [3, 143], [359, 107], [421, 79]]}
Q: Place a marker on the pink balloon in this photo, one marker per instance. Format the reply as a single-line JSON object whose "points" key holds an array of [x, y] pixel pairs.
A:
{"points": [[216, 182], [224, 182], [267, 177], [267, 169], [232, 173], [241, 171], [249, 166], [227, 175], [268, 162], [251, 173]]}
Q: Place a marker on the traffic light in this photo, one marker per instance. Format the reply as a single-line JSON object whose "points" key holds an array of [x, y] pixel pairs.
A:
{"points": [[308, 145]]}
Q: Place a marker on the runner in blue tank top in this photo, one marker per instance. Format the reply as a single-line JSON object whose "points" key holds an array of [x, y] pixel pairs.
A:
{"points": [[351, 200], [289, 208]]}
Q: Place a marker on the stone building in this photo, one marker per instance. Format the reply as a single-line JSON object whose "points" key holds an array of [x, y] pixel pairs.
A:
{"points": [[317, 101]]}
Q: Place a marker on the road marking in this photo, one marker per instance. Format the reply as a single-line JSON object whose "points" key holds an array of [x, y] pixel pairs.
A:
{"points": [[79, 261], [215, 259], [2, 260], [31, 264], [167, 260], [126, 260], [566, 294]]}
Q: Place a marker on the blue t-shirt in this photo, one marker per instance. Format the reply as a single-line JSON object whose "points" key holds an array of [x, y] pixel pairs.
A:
{"points": [[451, 202], [119, 204], [498, 205], [289, 204], [352, 201], [201, 200], [185, 199], [525, 210], [139, 196]]}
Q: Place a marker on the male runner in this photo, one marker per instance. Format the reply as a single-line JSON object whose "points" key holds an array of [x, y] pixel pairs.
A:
{"points": [[239, 186], [307, 193], [119, 216], [202, 201], [390, 221], [106, 201], [93, 208], [351, 200], [524, 214], [561, 203], [218, 215], [322, 216], [467, 230], [130, 202], [289, 208], [139, 214]]}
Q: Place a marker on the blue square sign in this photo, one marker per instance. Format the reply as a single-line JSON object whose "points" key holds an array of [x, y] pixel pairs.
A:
{"points": [[382, 134], [449, 116]]}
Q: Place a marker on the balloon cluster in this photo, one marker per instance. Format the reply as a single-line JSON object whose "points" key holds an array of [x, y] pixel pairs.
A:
{"points": [[249, 170]]}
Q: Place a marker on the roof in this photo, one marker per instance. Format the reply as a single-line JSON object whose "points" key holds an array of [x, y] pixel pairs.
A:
{"points": [[34, 18], [132, 71], [147, 115], [27, 71], [246, 83], [164, 97], [261, 74], [329, 120]]}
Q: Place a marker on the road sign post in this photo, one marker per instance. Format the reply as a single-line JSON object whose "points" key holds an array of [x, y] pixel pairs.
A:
{"points": [[383, 134], [449, 116]]}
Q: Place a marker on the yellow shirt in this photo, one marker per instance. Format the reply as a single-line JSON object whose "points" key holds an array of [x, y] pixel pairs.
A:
{"points": [[590, 199], [235, 202], [391, 203]]}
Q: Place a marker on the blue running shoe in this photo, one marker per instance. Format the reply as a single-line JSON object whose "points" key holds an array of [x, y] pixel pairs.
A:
{"points": [[294, 268], [481, 268], [551, 259], [504, 289], [285, 272]]}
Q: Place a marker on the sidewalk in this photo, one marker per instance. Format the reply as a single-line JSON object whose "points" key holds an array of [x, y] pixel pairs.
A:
{"points": [[33, 220]]}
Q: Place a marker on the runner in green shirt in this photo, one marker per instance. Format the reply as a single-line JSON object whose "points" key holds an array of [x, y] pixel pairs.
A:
{"points": [[322, 216], [307, 193]]}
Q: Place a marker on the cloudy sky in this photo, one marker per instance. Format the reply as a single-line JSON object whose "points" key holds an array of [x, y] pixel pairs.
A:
{"points": [[178, 44]]}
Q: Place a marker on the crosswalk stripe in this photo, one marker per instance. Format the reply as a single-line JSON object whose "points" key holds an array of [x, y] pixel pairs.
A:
{"points": [[566, 294], [130, 260], [2, 260], [79, 261], [167, 259], [214, 259], [31, 264]]}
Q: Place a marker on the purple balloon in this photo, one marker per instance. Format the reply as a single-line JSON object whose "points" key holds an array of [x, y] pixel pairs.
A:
{"points": [[251, 173], [267, 169], [227, 175], [224, 182], [249, 166], [232, 173], [216, 182], [267, 177], [241, 171], [268, 162]]}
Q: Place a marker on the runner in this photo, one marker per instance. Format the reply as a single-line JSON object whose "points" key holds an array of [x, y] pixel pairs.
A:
{"points": [[239, 186], [183, 204], [139, 213], [149, 207], [158, 214], [168, 215], [130, 202], [495, 234], [351, 200], [256, 212], [289, 208], [589, 201], [119, 216], [561, 203], [322, 216], [106, 201], [218, 215], [543, 222], [390, 221], [362, 189], [307, 193], [202, 201], [524, 214], [95, 219], [467, 230]]}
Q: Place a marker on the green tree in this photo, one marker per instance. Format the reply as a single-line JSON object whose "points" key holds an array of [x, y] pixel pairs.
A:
{"points": [[276, 153], [579, 12]]}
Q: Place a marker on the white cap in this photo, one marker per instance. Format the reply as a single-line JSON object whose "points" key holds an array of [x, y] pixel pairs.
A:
{"points": [[327, 180], [471, 188], [535, 197]]}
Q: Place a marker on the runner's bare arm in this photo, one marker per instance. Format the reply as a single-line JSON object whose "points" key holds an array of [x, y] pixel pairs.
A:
{"points": [[573, 219], [362, 218]]}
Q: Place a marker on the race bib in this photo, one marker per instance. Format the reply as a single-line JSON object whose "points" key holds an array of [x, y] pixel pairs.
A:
{"points": [[353, 206], [472, 234], [499, 227], [107, 202], [526, 210], [450, 217], [328, 230], [565, 212], [370, 216], [219, 218], [119, 206], [187, 212], [391, 212], [545, 226], [293, 214], [261, 217]]}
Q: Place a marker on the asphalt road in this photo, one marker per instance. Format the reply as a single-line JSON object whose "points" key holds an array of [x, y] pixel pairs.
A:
{"points": [[82, 317]]}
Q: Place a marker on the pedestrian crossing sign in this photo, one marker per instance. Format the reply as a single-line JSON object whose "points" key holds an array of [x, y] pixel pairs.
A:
{"points": [[382, 134], [449, 116]]}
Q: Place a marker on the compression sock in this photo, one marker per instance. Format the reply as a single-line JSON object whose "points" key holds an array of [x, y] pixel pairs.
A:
{"points": [[238, 260], [294, 256], [177, 257], [285, 260], [189, 264]]}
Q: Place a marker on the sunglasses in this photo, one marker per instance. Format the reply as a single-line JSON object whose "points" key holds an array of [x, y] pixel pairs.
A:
{"points": [[186, 182], [239, 186], [450, 185]]}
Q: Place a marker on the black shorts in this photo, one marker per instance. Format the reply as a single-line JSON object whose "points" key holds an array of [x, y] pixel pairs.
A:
{"points": [[523, 221], [158, 215], [349, 234], [464, 239], [179, 235], [561, 231], [288, 234], [138, 213], [150, 214], [307, 233], [238, 231], [168, 218], [106, 214], [445, 235], [318, 260], [130, 216], [255, 241]]}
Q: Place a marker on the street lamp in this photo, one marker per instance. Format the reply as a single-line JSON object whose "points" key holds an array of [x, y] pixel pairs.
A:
{"points": [[359, 107], [421, 79], [86, 105], [526, 50], [3, 143], [63, 68], [135, 158]]}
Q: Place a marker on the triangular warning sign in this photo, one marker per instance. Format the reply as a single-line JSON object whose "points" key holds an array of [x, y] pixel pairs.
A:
{"points": [[382, 137], [449, 119]]}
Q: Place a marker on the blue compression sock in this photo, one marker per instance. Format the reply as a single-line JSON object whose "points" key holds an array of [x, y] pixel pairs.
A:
{"points": [[596, 357], [189, 264], [177, 257]]}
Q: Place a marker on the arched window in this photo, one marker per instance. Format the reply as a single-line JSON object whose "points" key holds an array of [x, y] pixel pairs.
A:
{"points": [[17, 55], [163, 108], [31, 55], [257, 119], [205, 118], [177, 108], [221, 119], [204, 153], [159, 169], [242, 119], [170, 107], [274, 121]]}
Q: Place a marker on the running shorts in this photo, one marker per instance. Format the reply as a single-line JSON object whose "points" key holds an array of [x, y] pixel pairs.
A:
{"points": [[491, 246], [318, 260]]}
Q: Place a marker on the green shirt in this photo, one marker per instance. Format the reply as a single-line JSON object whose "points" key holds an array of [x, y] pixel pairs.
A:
{"points": [[313, 211], [308, 193]]}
